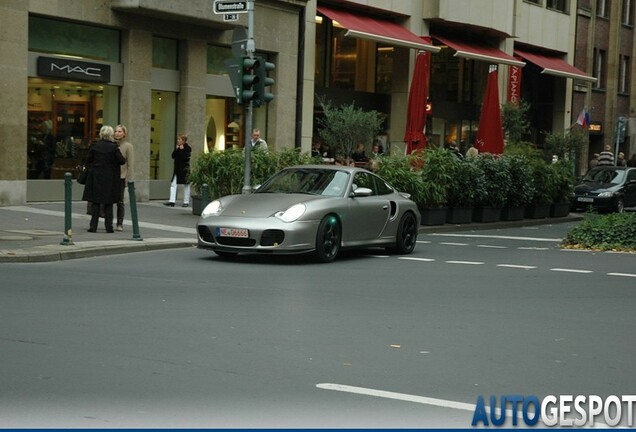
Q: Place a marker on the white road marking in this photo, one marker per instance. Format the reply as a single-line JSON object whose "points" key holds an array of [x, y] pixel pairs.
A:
{"points": [[492, 246], [378, 256], [539, 239], [417, 259], [622, 274], [524, 267], [570, 270], [453, 244], [533, 248], [398, 396], [424, 242], [465, 262]]}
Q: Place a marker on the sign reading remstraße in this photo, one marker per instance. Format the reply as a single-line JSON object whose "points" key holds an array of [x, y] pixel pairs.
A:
{"points": [[222, 7]]}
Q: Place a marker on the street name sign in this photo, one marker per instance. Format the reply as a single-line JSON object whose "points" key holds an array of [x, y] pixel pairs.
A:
{"points": [[227, 7]]}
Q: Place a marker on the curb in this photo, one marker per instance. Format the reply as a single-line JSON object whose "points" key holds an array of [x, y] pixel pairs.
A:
{"points": [[49, 253]]}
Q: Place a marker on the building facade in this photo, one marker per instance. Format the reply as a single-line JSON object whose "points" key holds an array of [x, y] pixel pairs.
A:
{"points": [[607, 46], [159, 67]]}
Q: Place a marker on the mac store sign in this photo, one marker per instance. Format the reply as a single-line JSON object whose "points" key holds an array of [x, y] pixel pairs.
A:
{"points": [[73, 70]]}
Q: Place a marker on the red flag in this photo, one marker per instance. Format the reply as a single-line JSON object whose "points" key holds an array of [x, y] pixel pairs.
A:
{"points": [[490, 134], [416, 109]]}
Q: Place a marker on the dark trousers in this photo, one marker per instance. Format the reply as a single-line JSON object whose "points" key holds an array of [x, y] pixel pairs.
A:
{"points": [[108, 216], [121, 210]]}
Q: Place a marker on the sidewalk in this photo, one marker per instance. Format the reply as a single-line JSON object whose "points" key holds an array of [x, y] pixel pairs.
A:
{"points": [[35, 232]]}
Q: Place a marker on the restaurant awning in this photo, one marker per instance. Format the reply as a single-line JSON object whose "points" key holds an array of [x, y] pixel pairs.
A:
{"points": [[554, 65], [377, 29], [478, 51]]}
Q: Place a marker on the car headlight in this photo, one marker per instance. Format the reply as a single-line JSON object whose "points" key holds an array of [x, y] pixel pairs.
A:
{"points": [[292, 213], [607, 194], [213, 209]]}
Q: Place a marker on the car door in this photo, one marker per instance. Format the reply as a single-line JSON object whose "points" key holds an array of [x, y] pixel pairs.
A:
{"points": [[630, 188], [368, 214]]}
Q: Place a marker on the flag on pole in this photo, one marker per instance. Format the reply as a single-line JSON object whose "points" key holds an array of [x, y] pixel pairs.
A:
{"points": [[583, 119]]}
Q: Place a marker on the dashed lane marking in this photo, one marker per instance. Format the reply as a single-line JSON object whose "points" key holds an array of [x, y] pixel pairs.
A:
{"points": [[492, 246], [533, 248], [566, 270], [417, 259], [524, 267], [622, 274], [465, 262], [453, 244]]}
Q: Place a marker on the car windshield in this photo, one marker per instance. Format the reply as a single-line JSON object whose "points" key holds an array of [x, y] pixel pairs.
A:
{"points": [[604, 176], [313, 181]]}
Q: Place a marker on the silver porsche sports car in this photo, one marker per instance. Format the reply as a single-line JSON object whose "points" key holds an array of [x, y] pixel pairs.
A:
{"points": [[315, 209]]}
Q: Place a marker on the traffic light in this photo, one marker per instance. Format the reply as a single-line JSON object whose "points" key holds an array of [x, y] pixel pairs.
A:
{"points": [[264, 81], [248, 90]]}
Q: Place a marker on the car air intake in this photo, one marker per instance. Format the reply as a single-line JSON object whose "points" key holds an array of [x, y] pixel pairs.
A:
{"points": [[272, 237]]}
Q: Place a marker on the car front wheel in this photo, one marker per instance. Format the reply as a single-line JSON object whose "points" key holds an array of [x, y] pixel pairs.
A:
{"points": [[328, 239], [406, 237]]}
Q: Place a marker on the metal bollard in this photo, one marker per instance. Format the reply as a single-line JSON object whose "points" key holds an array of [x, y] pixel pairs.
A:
{"points": [[133, 211], [205, 199], [68, 209]]}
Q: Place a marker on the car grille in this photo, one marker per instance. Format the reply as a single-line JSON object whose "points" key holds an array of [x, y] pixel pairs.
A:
{"points": [[272, 237], [234, 241], [205, 234]]}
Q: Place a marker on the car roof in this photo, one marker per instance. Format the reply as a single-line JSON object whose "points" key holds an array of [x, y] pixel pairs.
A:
{"points": [[329, 167]]}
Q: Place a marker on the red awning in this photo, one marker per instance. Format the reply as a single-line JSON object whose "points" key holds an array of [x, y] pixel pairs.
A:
{"points": [[554, 65], [377, 29], [479, 51]]}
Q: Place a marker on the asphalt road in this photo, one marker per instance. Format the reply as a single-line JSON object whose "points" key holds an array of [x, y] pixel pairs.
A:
{"points": [[182, 338]]}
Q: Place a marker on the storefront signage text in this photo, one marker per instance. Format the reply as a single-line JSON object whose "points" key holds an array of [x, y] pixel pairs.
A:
{"points": [[73, 70]]}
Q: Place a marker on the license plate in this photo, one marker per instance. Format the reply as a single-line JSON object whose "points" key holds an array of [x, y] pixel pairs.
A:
{"points": [[585, 199], [232, 232]]}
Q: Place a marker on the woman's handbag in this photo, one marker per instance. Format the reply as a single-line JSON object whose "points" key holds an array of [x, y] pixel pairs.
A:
{"points": [[83, 174]]}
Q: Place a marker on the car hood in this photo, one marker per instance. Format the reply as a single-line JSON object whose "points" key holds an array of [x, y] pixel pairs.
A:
{"points": [[262, 204], [594, 187]]}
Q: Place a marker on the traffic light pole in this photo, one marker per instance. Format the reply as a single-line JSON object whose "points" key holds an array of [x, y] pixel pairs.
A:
{"points": [[250, 48]]}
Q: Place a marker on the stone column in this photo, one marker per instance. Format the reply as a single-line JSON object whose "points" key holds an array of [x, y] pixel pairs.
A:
{"points": [[192, 97], [13, 103], [136, 96]]}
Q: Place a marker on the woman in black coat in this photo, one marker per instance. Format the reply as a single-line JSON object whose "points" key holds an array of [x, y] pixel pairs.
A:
{"points": [[102, 184], [181, 155]]}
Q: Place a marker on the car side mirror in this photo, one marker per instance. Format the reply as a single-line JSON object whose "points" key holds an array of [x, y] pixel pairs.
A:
{"points": [[362, 192]]}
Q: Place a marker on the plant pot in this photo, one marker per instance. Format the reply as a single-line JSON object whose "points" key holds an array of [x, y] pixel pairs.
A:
{"points": [[512, 213], [433, 216], [537, 211], [197, 205], [459, 215], [486, 214], [558, 210]]}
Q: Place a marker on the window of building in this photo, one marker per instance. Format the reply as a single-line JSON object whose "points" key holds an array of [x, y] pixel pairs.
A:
{"points": [[599, 68], [623, 80], [536, 2], [628, 12], [350, 63], [66, 38], [163, 133], [63, 119], [217, 56], [558, 5], [602, 8], [165, 53]]}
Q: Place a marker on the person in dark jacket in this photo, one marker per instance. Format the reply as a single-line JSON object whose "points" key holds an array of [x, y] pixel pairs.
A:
{"points": [[181, 155], [102, 185]]}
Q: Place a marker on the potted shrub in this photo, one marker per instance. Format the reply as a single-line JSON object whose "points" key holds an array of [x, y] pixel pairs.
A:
{"points": [[563, 186], [491, 199], [542, 180], [222, 171], [521, 187], [468, 179], [436, 174]]}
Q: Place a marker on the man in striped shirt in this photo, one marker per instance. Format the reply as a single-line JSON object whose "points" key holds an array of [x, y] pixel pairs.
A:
{"points": [[606, 157]]}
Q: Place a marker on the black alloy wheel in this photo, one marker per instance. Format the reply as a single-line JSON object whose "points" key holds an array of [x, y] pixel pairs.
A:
{"points": [[328, 239], [406, 237]]}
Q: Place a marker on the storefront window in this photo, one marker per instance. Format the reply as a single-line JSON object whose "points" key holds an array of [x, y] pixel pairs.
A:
{"points": [[163, 134], [165, 53], [384, 76], [60, 37], [63, 119]]}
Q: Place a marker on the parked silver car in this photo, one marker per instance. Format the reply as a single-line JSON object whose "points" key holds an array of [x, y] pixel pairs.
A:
{"points": [[317, 209]]}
